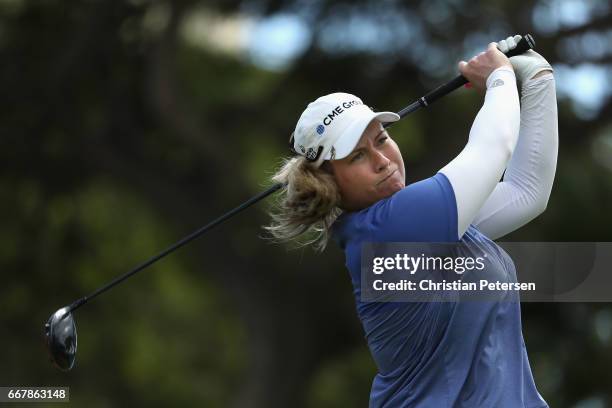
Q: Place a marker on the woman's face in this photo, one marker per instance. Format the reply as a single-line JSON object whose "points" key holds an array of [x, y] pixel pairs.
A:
{"points": [[374, 170]]}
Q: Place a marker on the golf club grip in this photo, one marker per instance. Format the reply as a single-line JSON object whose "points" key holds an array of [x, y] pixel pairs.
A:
{"points": [[526, 43]]}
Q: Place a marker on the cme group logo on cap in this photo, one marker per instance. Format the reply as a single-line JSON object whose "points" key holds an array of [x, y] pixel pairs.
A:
{"points": [[320, 129]]}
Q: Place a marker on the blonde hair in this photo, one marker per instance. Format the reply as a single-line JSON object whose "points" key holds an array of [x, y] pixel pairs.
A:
{"points": [[307, 206]]}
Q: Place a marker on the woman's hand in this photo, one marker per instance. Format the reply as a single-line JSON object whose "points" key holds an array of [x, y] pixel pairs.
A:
{"points": [[528, 65], [478, 69]]}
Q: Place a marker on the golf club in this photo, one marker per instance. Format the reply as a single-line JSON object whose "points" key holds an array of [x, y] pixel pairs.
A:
{"points": [[60, 330]]}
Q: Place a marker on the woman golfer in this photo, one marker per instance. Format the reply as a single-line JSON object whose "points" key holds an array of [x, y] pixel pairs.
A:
{"points": [[348, 182]]}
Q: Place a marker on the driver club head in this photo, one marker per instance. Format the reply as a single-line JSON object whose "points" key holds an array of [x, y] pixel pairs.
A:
{"points": [[61, 339]]}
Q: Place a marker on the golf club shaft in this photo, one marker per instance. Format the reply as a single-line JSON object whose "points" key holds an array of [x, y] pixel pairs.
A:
{"points": [[80, 302], [524, 44]]}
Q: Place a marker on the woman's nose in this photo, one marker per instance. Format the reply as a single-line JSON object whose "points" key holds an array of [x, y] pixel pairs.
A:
{"points": [[381, 161]]}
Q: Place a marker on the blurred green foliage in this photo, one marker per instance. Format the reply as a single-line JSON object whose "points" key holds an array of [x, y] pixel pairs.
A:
{"points": [[119, 137]]}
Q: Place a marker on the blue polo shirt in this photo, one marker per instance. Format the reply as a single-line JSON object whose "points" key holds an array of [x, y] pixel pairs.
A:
{"points": [[438, 354]]}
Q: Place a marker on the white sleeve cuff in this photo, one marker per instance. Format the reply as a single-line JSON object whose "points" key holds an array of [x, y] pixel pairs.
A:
{"points": [[504, 73]]}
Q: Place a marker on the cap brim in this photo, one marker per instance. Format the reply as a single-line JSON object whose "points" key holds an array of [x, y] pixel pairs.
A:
{"points": [[350, 137]]}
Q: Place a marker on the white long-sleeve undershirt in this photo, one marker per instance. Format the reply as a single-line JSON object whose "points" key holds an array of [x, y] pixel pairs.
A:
{"points": [[497, 208], [523, 194], [477, 169]]}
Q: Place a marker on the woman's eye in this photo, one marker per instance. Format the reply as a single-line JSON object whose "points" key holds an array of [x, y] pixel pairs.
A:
{"points": [[357, 156], [382, 140]]}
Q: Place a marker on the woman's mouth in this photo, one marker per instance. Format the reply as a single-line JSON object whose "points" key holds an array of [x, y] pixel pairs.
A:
{"points": [[387, 177]]}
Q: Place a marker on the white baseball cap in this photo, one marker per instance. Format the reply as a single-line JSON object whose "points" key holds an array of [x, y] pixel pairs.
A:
{"points": [[330, 127]]}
